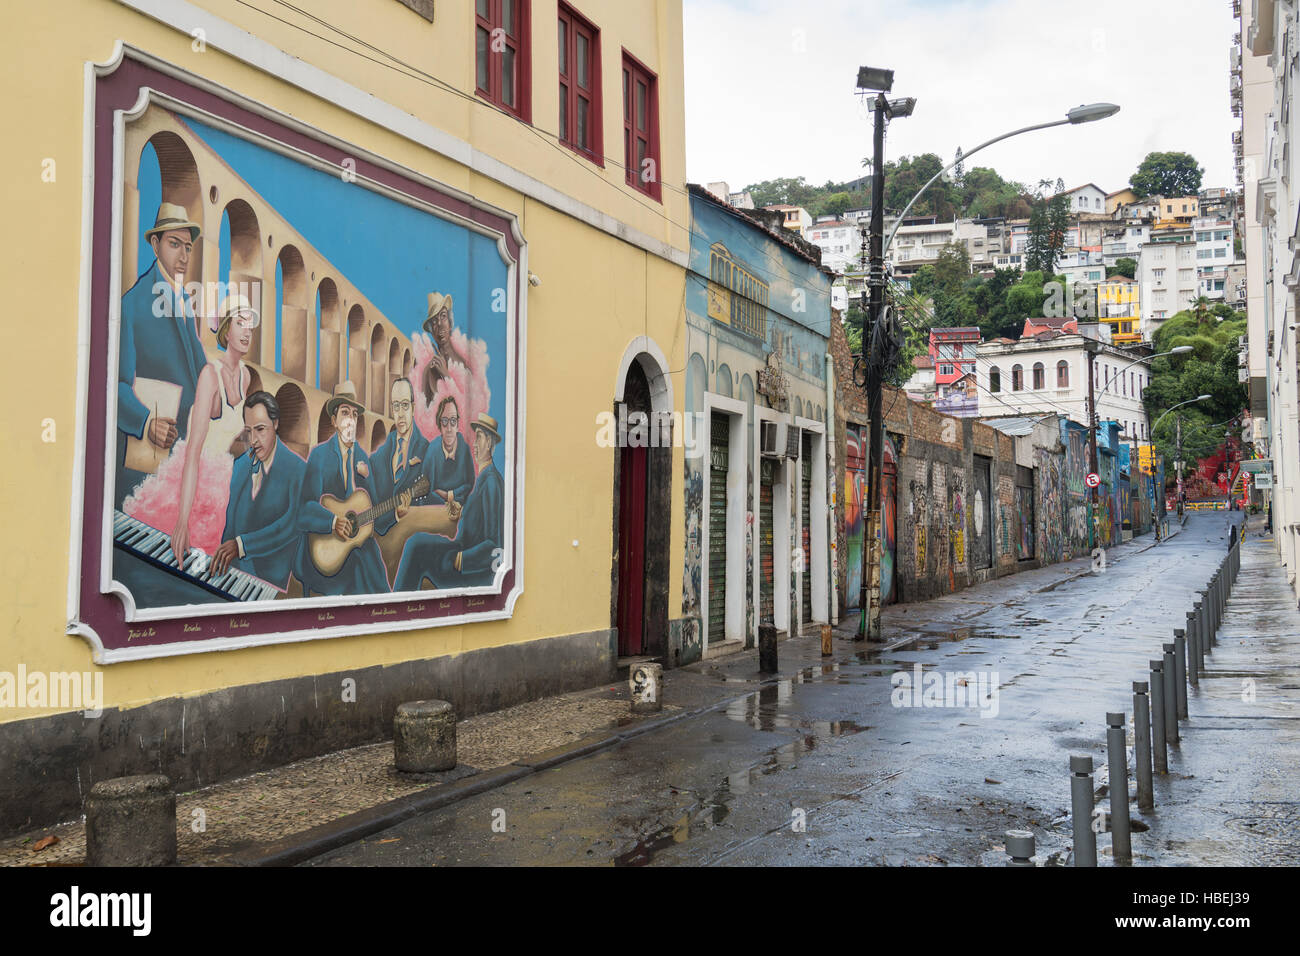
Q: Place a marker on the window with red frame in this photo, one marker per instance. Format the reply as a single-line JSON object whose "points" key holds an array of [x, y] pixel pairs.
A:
{"points": [[501, 55], [641, 127], [580, 85]]}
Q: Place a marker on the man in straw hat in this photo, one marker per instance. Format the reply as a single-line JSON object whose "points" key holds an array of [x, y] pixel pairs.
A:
{"points": [[438, 323], [472, 558], [339, 467], [159, 340]]}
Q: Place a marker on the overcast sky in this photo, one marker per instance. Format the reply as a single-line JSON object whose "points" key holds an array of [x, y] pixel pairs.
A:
{"points": [[770, 85]]}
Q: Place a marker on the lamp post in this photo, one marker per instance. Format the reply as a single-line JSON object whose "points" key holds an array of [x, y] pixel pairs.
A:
{"points": [[879, 344], [1178, 461]]}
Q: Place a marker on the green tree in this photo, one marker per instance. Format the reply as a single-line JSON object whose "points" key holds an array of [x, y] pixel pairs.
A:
{"points": [[1167, 174], [835, 204], [1123, 266], [952, 268]]}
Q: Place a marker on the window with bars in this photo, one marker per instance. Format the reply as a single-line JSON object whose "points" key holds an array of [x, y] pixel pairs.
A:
{"points": [[579, 51], [641, 127], [501, 59]]}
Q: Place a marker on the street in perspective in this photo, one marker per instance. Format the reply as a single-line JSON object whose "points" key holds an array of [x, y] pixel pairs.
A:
{"points": [[653, 433]]}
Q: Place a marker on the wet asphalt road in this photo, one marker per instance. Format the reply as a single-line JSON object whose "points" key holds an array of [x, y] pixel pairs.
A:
{"points": [[821, 767]]}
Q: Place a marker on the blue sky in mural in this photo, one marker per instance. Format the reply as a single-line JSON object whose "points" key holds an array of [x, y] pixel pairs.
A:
{"points": [[395, 254]]}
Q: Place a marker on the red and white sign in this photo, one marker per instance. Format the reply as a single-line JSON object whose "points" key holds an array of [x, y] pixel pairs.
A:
{"points": [[1093, 479]]}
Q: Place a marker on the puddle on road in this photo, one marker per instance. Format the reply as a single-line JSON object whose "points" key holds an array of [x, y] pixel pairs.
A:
{"points": [[711, 810]]}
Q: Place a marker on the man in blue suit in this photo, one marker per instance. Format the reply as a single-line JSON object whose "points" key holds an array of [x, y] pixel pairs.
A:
{"points": [[159, 340], [400, 459], [261, 534], [472, 558], [339, 467], [447, 463]]}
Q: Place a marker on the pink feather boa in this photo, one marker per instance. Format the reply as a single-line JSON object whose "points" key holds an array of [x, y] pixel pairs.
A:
{"points": [[468, 386]]}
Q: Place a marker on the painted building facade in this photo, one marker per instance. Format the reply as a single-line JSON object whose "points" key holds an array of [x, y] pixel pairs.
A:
{"points": [[395, 241], [757, 503]]}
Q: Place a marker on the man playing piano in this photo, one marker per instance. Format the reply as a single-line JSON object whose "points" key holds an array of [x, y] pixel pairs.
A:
{"points": [[261, 534]]}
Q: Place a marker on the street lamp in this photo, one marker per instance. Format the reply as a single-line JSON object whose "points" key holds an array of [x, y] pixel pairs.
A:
{"points": [[1178, 454], [1080, 114]]}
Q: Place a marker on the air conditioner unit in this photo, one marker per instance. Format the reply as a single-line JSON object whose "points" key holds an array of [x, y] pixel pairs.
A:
{"points": [[770, 446], [792, 435]]}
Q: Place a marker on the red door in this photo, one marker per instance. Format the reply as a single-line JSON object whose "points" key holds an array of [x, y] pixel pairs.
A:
{"points": [[631, 550]]}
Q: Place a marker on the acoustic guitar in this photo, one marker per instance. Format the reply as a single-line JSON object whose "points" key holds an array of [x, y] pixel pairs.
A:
{"points": [[328, 551]]}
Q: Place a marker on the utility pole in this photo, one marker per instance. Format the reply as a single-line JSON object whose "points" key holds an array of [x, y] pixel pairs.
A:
{"points": [[1093, 421], [873, 346]]}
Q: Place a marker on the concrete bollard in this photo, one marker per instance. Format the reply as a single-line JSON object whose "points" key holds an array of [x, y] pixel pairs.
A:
{"points": [[1142, 744], [1120, 844], [767, 649], [1085, 839], [1194, 636], [1180, 675], [1020, 848], [645, 687], [1193, 667], [1159, 744], [131, 821], [1168, 672], [424, 736]]}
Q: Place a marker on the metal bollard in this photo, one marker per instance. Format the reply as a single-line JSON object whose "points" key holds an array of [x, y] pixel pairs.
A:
{"points": [[1159, 743], [1180, 675], [1193, 668], [767, 649], [1120, 844], [1168, 672], [1085, 840], [1020, 848], [1142, 744], [1196, 639]]}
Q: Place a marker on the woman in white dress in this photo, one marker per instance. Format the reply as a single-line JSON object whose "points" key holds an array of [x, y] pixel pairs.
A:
{"points": [[221, 389]]}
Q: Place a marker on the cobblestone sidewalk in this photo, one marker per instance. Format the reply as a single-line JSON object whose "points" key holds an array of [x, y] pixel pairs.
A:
{"points": [[254, 810]]}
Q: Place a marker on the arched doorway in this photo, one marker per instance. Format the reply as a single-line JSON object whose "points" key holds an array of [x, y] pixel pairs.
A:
{"points": [[642, 502]]}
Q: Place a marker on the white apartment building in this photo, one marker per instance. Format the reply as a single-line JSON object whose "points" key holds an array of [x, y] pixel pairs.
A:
{"points": [[839, 241], [1262, 77], [1049, 373], [1167, 282], [1126, 241], [919, 245], [795, 218], [1089, 198], [1213, 255]]}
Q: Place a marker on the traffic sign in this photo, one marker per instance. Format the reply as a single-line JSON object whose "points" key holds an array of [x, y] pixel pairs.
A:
{"points": [[1093, 479]]}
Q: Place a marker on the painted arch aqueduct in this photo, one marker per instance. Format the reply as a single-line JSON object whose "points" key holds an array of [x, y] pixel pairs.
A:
{"points": [[321, 311]]}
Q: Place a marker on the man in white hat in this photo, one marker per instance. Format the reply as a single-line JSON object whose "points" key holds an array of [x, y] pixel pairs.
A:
{"points": [[159, 340]]}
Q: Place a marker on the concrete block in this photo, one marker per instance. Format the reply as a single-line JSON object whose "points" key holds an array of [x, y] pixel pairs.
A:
{"points": [[131, 821], [424, 736], [645, 686]]}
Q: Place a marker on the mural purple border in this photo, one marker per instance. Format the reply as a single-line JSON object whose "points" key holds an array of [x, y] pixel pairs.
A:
{"points": [[104, 613]]}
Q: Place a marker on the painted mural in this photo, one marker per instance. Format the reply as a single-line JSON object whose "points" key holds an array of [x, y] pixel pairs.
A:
{"points": [[311, 407], [1051, 521], [855, 493], [889, 523], [1024, 519], [1078, 535]]}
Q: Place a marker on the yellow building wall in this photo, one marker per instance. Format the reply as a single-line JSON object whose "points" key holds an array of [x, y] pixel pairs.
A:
{"points": [[597, 294]]}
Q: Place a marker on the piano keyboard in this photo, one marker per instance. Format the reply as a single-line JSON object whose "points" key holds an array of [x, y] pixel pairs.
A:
{"points": [[131, 534]]}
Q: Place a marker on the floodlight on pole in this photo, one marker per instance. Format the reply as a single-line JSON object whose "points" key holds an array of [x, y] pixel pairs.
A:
{"points": [[875, 80]]}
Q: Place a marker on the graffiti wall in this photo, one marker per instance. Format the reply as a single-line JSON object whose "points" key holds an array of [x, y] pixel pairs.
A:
{"points": [[1078, 534], [311, 428], [855, 494], [1051, 495]]}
